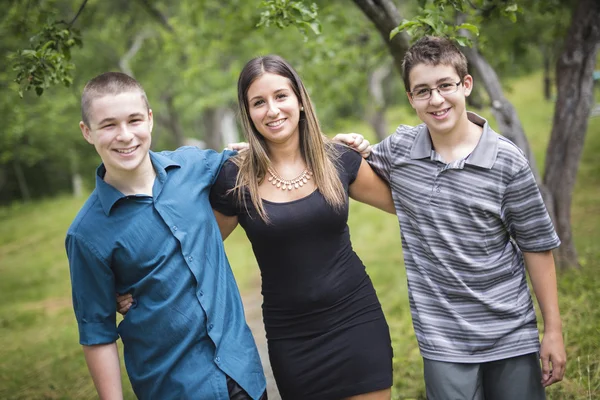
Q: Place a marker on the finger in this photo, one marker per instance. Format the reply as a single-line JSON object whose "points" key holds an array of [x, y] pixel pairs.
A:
{"points": [[545, 368], [125, 297], [558, 369], [362, 146]]}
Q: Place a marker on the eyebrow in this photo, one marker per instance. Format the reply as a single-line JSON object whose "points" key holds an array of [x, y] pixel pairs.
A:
{"points": [[110, 119], [277, 91], [441, 80]]}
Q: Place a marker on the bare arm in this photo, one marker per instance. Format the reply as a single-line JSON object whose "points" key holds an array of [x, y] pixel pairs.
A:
{"points": [[103, 362], [542, 273], [370, 189], [226, 223]]}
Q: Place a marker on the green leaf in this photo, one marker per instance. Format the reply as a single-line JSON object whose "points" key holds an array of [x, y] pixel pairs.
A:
{"points": [[471, 28], [39, 90]]}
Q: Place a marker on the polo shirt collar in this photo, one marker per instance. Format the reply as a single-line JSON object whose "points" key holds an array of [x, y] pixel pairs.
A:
{"points": [[109, 195], [484, 154]]}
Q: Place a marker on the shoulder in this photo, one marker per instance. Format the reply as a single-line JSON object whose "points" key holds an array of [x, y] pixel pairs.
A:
{"points": [[399, 142], [88, 216], [191, 153], [510, 157], [228, 174]]}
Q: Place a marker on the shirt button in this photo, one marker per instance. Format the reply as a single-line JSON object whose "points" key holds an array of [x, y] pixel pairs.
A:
{"points": [[190, 258], [201, 293], [437, 189], [218, 359], [174, 227], [210, 326]]}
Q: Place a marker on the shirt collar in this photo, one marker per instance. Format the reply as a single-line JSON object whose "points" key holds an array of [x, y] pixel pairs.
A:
{"points": [[484, 154], [109, 195]]}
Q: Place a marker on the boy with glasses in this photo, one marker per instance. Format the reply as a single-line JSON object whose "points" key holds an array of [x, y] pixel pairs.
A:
{"points": [[472, 222]]}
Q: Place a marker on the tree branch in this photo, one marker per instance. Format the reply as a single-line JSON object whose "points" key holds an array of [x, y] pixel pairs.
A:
{"points": [[153, 11], [81, 7]]}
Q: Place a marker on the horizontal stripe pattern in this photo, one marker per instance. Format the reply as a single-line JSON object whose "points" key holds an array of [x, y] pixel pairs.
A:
{"points": [[463, 227]]}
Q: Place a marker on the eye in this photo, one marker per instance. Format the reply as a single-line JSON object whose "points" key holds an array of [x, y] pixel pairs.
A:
{"points": [[421, 92], [282, 96], [257, 103], [446, 86], [107, 126], [136, 120]]}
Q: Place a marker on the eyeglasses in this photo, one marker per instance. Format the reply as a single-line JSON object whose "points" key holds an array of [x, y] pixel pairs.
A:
{"points": [[444, 89]]}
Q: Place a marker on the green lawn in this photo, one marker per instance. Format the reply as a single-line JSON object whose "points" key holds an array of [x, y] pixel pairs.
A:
{"points": [[40, 357]]}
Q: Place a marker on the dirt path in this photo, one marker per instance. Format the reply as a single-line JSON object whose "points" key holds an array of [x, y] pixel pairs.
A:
{"points": [[252, 301]]}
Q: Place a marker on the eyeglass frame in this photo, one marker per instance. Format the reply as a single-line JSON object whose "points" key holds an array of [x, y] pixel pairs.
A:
{"points": [[412, 96]]}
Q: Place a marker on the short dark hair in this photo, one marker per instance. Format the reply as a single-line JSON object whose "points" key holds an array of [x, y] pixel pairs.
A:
{"points": [[433, 50], [108, 83]]}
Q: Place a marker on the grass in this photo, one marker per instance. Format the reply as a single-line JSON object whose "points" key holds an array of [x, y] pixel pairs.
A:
{"points": [[40, 357]]}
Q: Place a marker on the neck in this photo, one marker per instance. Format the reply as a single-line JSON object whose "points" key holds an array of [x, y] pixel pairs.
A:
{"points": [[285, 155], [457, 143], [138, 181]]}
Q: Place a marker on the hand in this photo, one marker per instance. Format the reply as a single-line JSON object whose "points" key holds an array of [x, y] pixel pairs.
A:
{"points": [[124, 303], [356, 141], [239, 147], [553, 357]]}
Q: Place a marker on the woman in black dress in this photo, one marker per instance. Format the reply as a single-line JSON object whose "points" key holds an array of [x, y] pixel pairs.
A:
{"points": [[327, 335]]}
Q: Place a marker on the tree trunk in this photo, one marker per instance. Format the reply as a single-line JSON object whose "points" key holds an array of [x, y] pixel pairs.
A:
{"points": [[385, 16], [219, 127], [575, 85], [376, 84], [23, 187], [547, 79], [170, 120], [504, 112]]}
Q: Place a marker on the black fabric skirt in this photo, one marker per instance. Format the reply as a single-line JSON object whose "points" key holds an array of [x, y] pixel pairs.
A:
{"points": [[347, 361]]}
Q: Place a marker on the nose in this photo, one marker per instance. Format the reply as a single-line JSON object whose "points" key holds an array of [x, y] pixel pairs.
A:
{"points": [[273, 110], [125, 133], [436, 97]]}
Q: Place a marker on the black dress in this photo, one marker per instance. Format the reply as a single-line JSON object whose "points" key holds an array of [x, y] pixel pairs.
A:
{"points": [[327, 335]]}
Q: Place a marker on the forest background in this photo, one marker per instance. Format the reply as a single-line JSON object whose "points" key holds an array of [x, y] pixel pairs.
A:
{"points": [[536, 76]]}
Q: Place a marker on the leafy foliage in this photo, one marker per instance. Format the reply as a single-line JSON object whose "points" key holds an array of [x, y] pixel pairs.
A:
{"points": [[283, 13], [48, 61], [438, 18]]}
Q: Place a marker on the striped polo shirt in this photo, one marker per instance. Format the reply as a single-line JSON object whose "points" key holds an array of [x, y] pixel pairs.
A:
{"points": [[463, 228]]}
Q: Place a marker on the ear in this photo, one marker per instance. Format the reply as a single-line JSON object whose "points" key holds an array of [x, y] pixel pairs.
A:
{"points": [[87, 135], [410, 100], [468, 84], [150, 120]]}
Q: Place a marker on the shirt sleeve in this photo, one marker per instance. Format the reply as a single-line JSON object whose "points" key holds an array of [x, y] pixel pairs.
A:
{"points": [[93, 291], [214, 162], [525, 215], [350, 162], [380, 158], [222, 198]]}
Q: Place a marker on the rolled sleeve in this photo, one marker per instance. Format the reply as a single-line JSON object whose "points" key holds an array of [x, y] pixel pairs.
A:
{"points": [[93, 291], [525, 215]]}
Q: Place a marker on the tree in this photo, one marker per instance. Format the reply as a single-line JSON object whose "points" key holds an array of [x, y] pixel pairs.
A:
{"points": [[575, 83], [574, 77]]}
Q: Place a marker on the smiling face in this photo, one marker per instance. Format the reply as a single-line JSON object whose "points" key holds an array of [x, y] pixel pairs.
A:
{"points": [[441, 114], [120, 129], [274, 108]]}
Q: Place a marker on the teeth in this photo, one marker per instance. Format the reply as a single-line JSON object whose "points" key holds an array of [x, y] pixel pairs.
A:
{"points": [[276, 123], [438, 113], [126, 151]]}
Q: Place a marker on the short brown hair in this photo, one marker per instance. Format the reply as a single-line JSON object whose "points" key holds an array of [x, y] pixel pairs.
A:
{"points": [[108, 83], [433, 50]]}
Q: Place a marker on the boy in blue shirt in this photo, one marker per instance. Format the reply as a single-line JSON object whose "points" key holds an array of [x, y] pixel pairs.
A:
{"points": [[148, 229], [472, 222]]}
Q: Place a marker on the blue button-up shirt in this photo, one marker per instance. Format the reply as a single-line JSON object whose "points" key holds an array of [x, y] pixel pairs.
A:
{"points": [[186, 329]]}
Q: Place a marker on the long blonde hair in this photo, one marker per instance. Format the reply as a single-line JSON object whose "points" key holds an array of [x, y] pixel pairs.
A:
{"points": [[317, 151]]}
